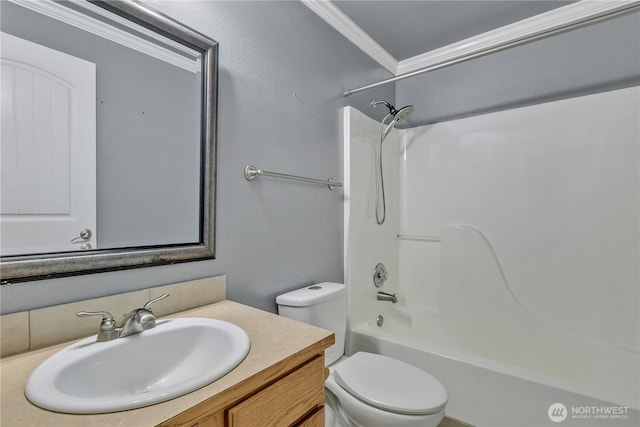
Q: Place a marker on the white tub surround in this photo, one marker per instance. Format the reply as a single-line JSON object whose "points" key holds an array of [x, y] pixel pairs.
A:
{"points": [[515, 254]]}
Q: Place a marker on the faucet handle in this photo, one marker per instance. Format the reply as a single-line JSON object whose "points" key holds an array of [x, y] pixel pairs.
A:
{"points": [[108, 330], [106, 316], [148, 304]]}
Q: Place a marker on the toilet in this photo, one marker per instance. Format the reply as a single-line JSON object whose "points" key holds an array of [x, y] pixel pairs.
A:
{"points": [[365, 389]]}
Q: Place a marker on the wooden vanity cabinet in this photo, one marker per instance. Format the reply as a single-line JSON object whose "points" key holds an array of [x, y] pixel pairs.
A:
{"points": [[295, 397], [280, 382]]}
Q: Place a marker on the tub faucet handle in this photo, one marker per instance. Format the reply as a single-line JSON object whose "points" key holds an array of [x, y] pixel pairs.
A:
{"points": [[379, 275]]}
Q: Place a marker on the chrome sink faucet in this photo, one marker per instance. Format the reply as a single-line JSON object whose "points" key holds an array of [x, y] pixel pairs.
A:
{"points": [[136, 321], [140, 319]]}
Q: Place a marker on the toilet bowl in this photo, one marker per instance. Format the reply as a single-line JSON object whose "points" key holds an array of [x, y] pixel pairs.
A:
{"points": [[365, 389]]}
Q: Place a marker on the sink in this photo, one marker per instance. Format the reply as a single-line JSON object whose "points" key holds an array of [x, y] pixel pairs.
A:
{"points": [[170, 360]]}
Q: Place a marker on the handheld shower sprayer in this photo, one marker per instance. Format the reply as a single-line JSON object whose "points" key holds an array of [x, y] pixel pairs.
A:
{"points": [[396, 117]]}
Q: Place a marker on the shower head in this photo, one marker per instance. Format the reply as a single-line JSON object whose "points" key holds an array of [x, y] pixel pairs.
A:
{"points": [[403, 113], [396, 115]]}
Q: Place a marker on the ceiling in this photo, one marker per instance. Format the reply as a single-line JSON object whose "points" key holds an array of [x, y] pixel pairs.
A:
{"points": [[409, 28], [406, 35]]}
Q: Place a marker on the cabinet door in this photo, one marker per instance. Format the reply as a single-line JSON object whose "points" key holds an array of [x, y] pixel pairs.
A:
{"points": [[284, 403], [215, 420], [194, 418], [314, 420]]}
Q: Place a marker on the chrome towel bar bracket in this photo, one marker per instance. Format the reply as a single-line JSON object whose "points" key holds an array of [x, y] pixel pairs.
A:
{"points": [[251, 173]]}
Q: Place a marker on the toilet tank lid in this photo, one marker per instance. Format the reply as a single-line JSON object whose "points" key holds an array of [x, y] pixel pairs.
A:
{"points": [[310, 295]]}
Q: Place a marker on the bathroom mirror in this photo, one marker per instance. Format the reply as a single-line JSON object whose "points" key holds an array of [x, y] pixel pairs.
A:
{"points": [[134, 185]]}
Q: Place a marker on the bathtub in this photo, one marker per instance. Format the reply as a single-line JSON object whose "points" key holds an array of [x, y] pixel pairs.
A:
{"points": [[508, 374]]}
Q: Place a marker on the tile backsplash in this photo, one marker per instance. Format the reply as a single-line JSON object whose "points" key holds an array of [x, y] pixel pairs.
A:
{"points": [[14, 332], [30, 330]]}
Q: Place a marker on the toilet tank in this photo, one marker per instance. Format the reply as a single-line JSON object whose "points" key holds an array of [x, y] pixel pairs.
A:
{"points": [[323, 305]]}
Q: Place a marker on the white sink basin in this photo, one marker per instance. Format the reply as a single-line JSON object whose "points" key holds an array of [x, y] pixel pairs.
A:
{"points": [[175, 358]]}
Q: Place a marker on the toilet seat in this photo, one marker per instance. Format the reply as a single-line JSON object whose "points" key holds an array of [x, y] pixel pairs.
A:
{"points": [[390, 384]]}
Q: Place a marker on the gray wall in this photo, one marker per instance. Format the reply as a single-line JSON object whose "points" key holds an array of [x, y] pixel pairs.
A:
{"points": [[282, 71], [597, 58]]}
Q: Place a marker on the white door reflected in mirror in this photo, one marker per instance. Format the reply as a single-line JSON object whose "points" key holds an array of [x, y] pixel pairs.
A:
{"points": [[48, 150]]}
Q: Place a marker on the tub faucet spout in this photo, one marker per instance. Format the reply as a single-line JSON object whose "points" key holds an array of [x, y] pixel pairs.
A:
{"points": [[383, 296]]}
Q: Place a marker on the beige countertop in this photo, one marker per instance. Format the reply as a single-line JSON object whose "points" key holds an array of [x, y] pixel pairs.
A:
{"points": [[276, 342]]}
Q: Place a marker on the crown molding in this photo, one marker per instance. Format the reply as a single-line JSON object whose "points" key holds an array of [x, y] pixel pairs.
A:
{"points": [[188, 59], [340, 21], [536, 25], [573, 13]]}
